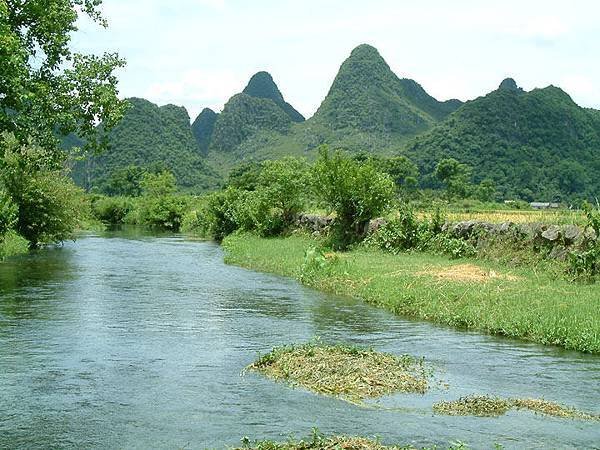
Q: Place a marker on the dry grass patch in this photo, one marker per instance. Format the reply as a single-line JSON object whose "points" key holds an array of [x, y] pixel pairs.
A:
{"points": [[348, 372], [466, 273], [483, 405]]}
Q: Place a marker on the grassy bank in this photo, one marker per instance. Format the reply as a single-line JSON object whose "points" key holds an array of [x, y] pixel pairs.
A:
{"points": [[517, 302]]}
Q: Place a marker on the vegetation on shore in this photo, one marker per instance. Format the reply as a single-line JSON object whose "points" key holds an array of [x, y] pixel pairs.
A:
{"points": [[523, 302], [48, 91], [348, 372], [483, 405]]}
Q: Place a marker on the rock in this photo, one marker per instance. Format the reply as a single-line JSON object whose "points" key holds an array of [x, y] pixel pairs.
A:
{"points": [[375, 225], [505, 227], [559, 252], [463, 229], [571, 233], [552, 234]]}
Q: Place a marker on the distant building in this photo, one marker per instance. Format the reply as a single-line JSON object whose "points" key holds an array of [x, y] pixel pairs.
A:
{"points": [[544, 205]]}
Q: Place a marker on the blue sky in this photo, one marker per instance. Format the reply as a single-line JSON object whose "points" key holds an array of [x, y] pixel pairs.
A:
{"points": [[198, 53]]}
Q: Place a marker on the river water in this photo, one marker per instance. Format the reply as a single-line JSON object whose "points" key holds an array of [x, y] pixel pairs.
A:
{"points": [[129, 341]]}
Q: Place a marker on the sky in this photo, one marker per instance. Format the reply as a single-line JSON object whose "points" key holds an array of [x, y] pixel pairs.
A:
{"points": [[198, 53]]}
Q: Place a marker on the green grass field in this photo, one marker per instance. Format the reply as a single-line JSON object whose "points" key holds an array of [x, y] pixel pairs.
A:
{"points": [[524, 302]]}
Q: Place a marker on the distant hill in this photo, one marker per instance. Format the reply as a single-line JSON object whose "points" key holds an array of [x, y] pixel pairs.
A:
{"points": [[242, 117], [534, 145], [368, 108], [150, 135], [367, 96], [260, 108], [203, 127], [261, 85]]}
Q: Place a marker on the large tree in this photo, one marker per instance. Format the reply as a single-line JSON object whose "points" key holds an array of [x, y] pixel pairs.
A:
{"points": [[45, 88]]}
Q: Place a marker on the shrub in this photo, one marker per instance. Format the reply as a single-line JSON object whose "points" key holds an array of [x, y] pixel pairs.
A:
{"points": [[49, 206], [12, 244], [403, 232], [159, 206], [356, 192], [164, 212], [111, 210], [8, 213], [584, 264]]}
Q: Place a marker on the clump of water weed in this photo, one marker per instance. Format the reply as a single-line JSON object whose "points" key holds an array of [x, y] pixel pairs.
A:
{"points": [[348, 372], [483, 405], [320, 442]]}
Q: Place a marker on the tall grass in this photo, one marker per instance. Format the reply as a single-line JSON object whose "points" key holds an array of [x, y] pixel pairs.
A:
{"points": [[524, 302]]}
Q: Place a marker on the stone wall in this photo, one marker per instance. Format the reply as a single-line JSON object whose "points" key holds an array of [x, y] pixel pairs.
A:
{"points": [[556, 240]]}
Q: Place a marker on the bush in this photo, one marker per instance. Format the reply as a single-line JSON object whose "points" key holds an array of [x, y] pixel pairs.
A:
{"points": [[12, 244], [49, 206], [356, 192], [111, 210], [584, 264], [8, 213], [164, 212], [160, 207], [403, 232]]}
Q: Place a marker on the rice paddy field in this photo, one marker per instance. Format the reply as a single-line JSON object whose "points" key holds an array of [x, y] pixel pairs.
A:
{"points": [[547, 216]]}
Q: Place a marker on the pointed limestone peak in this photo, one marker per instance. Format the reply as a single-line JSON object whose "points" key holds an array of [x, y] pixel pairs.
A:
{"points": [[261, 85], [203, 127], [509, 84]]}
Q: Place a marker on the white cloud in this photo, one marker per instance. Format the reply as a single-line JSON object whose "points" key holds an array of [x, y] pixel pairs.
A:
{"points": [[200, 52]]}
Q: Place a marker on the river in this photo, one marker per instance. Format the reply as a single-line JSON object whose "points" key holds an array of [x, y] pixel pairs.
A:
{"points": [[132, 341]]}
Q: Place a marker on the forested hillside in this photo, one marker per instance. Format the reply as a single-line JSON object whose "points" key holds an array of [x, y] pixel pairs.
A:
{"points": [[152, 137], [536, 145], [533, 145], [367, 96]]}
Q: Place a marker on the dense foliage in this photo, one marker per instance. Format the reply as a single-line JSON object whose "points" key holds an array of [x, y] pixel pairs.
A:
{"points": [[47, 90], [148, 136], [242, 117], [40, 202], [366, 95], [37, 95], [355, 192], [261, 85], [536, 145]]}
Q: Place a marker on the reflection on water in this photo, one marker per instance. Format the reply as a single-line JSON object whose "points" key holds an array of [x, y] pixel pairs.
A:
{"points": [[134, 341]]}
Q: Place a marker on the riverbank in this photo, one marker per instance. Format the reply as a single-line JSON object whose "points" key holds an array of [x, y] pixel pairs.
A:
{"points": [[521, 302]]}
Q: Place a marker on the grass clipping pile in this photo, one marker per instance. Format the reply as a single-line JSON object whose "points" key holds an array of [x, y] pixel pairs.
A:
{"points": [[483, 405], [347, 372], [320, 442]]}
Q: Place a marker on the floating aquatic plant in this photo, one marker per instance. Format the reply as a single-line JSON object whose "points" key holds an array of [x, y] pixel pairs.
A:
{"points": [[483, 405], [348, 372]]}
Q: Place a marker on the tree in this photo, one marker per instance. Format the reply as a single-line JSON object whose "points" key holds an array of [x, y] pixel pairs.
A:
{"points": [[45, 88], [126, 181], [455, 176], [46, 203], [486, 190], [285, 183], [355, 192]]}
